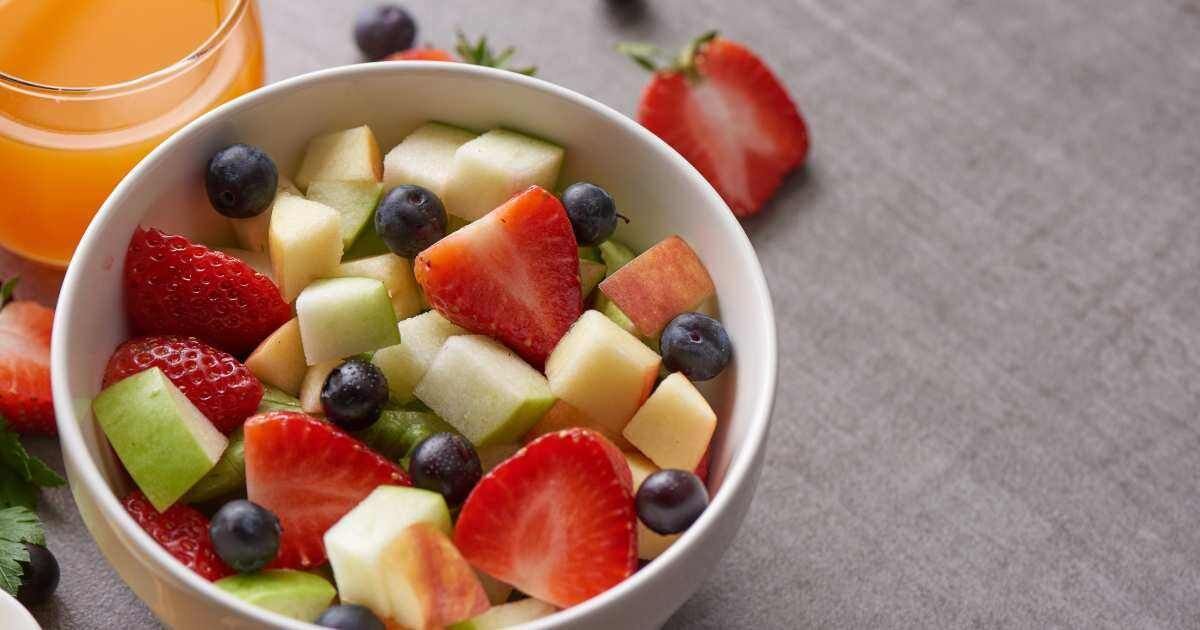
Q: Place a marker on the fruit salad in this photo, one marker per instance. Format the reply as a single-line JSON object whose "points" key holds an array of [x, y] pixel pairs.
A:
{"points": [[416, 389]]}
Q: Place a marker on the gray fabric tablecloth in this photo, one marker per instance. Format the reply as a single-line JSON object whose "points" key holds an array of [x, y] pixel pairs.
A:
{"points": [[987, 292]]}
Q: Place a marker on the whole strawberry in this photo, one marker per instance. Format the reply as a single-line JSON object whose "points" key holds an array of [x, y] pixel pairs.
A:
{"points": [[724, 110], [219, 385], [25, 400], [182, 531], [176, 287]]}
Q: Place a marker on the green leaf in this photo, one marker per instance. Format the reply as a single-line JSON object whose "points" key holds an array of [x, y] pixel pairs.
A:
{"points": [[644, 55], [480, 54], [15, 491], [26, 466], [6, 290], [18, 525]]}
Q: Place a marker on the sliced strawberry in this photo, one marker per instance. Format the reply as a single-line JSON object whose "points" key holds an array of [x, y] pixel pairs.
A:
{"points": [[702, 468], [218, 384], [310, 474], [421, 54], [25, 399], [182, 531], [513, 274], [176, 287], [724, 110], [556, 520]]}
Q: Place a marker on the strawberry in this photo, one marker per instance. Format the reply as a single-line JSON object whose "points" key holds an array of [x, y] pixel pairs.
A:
{"points": [[310, 474], [724, 110], [428, 53], [513, 274], [176, 287], [25, 399], [218, 384], [182, 531], [556, 520]]}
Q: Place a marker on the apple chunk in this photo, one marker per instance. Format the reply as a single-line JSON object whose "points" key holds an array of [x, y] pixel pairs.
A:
{"points": [[306, 243], [310, 388], [165, 443], [279, 360], [354, 201], [675, 425], [490, 169], [662, 282], [602, 370], [404, 364], [253, 234], [424, 157], [340, 317], [564, 416], [395, 273], [355, 543], [484, 390], [430, 584], [650, 543], [350, 155], [508, 615]]}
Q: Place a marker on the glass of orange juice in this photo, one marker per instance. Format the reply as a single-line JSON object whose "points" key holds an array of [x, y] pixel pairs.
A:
{"points": [[88, 87]]}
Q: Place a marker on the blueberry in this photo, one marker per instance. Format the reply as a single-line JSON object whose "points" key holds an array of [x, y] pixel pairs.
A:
{"points": [[592, 212], [240, 181], [245, 535], [349, 617], [354, 394], [670, 500], [382, 30], [696, 345], [447, 464], [39, 576], [409, 219]]}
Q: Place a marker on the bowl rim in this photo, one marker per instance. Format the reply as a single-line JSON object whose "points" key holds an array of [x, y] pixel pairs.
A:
{"points": [[740, 473]]}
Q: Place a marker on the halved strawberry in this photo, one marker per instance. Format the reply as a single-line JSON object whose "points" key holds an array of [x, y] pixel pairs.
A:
{"points": [[218, 384], [513, 274], [556, 520], [176, 287], [724, 110], [25, 399], [182, 531], [421, 54], [310, 474]]}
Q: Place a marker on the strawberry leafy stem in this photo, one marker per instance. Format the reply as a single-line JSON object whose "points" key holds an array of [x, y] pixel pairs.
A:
{"points": [[480, 54], [653, 58]]}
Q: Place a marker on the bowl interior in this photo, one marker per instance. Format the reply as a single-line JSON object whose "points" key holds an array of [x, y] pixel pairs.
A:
{"points": [[652, 185]]}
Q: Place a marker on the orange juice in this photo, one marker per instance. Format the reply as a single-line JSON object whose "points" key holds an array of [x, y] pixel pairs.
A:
{"points": [[88, 87]]}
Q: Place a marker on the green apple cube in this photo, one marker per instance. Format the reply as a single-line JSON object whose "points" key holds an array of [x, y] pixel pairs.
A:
{"points": [[425, 157], [490, 169], [296, 594], [314, 380], [340, 317], [253, 234], [166, 444], [305, 243], [351, 155], [227, 478], [590, 275], [404, 364], [508, 615], [355, 543], [615, 255], [395, 273], [484, 390], [354, 201], [279, 360]]}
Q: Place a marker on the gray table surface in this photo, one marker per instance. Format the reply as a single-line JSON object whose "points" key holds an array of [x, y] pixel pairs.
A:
{"points": [[987, 291]]}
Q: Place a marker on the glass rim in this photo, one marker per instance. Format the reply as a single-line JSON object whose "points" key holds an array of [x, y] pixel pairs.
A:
{"points": [[207, 46]]}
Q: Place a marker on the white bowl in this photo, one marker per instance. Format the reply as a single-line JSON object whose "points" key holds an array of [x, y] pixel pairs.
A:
{"points": [[652, 184], [14, 615]]}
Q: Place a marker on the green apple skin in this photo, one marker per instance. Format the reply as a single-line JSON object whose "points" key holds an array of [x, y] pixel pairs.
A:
{"points": [[354, 201], [165, 443], [591, 253], [340, 317], [296, 594], [484, 390], [615, 255], [395, 273], [590, 275], [507, 615], [397, 431], [227, 478], [367, 244], [277, 400]]}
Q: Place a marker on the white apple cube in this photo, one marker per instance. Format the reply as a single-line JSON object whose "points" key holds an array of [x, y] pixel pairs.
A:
{"points": [[602, 370], [349, 155], [563, 415], [310, 388], [508, 615], [395, 273], [340, 317], [165, 443], [421, 338], [490, 169], [279, 360], [484, 390], [355, 543], [355, 201], [253, 234], [306, 243], [650, 543], [425, 157], [675, 425]]}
